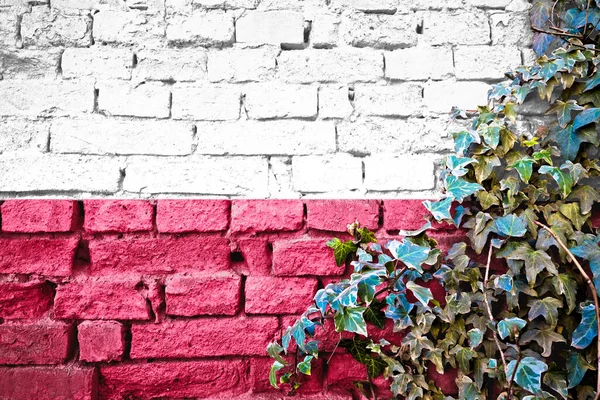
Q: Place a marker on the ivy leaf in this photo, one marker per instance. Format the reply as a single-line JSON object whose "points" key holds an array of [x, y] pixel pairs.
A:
{"points": [[374, 315], [460, 188], [475, 337], [417, 343], [467, 389], [590, 251], [439, 209], [586, 195], [525, 168], [463, 356], [539, 13], [572, 211], [587, 329], [398, 310], [421, 293], [457, 165], [586, 117], [535, 260], [412, 255], [304, 366], [351, 319], [569, 141], [577, 366], [274, 350], [547, 308], [592, 82], [567, 286], [563, 110], [545, 337], [507, 326], [528, 373], [557, 381], [504, 282], [359, 350], [273, 373], [511, 225], [541, 41], [563, 179], [463, 139], [341, 250]]}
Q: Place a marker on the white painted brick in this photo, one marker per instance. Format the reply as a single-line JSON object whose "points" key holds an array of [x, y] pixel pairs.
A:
{"points": [[373, 6], [511, 29], [519, 6], [464, 27], [267, 101], [33, 98], [436, 4], [403, 172], [8, 29], [441, 96], [58, 173], [529, 56], [144, 100], [23, 136], [324, 31], [78, 6], [318, 174], [280, 178], [489, 3], [379, 31], [295, 5], [212, 29], [399, 100], [485, 62], [334, 102], [97, 61], [336, 65], [110, 136], [178, 65], [42, 27], [242, 176], [271, 27], [206, 102], [242, 65], [128, 28], [419, 63], [267, 137], [29, 64], [226, 4]]}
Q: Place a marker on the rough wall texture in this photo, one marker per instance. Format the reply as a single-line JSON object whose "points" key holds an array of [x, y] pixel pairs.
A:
{"points": [[233, 98], [124, 299]]}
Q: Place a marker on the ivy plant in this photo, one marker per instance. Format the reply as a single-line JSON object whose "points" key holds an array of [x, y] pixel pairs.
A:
{"points": [[529, 329]]}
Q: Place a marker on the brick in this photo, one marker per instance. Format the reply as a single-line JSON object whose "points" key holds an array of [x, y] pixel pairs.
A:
{"points": [[192, 379], [280, 178], [43, 27], [69, 382], [178, 216], [203, 294], [128, 28], [271, 27], [511, 29], [419, 63], [23, 135], [211, 175], [103, 136], [206, 102], [28, 300], [34, 343], [403, 172], [40, 98], [31, 216], [335, 215], [150, 99], [56, 173], [266, 216], [343, 370], [489, 3], [178, 65], [48, 257], [227, 4], [304, 257], [334, 102], [485, 62], [379, 31], [105, 299], [242, 65], [464, 27], [213, 29], [324, 33], [257, 256], [266, 137], [371, 6], [296, 5], [336, 172], [101, 341], [389, 101], [159, 255], [29, 64], [336, 65], [446, 381], [294, 294], [195, 337], [268, 101], [441, 96], [8, 29], [97, 61], [117, 215], [403, 214]]}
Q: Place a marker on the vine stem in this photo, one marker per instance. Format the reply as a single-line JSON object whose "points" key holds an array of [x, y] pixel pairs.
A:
{"points": [[512, 378], [557, 32], [592, 289], [489, 309]]}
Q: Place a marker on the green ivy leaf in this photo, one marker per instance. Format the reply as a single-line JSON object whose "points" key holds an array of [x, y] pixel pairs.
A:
{"points": [[274, 350], [439, 209], [341, 250], [586, 195], [577, 366], [563, 179], [525, 168], [460, 188], [475, 337], [467, 389], [273, 373], [507, 326], [421, 293], [511, 225], [359, 350], [547, 308], [351, 319], [592, 82], [590, 251], [412, 255], [463, 139], [417, 343], [463, 356], [557, 381], [457, 165], [587, 330], [545, 337], [374, 314], [586, 117], [567, 286], [573, 212], [528, 373], [304, 366], [535, 260], [563, 110]]}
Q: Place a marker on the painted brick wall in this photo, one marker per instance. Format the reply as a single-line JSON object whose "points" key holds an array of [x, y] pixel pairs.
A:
{"points": [[242, 98], [128, 299]]}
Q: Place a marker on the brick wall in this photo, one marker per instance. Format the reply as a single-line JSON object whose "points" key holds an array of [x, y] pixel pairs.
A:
{"points": [[239, 98], [120, 299]]}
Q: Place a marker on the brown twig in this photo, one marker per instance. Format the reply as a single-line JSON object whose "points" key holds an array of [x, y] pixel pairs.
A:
{"points": [[590, 285], [587, 14], [512, 378], [557, 32]]}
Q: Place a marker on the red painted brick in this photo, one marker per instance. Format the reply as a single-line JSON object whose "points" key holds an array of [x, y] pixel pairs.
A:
{"points": [[25, 300], [176, 216], [159, 255], [31, 216], [193, 379], [343, 369], [259, 377], [446, 381], [56, 383], [45, 342], [403, 214], [335, 215], [101, 341], [257, 256], [48, 257], [205, 337], [117, 215], [93, 298], [203, 294], [269, 295], [304, 257], [266, 215]]}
